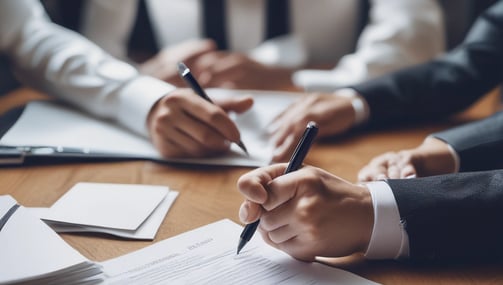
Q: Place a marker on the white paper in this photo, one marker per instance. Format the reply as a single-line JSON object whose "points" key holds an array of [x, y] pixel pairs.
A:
{"points": [[29, 249], [146, 231], [107, 205], [207, 255], [49, 124]]}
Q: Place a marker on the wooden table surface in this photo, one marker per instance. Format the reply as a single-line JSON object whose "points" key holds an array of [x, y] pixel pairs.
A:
{"points": [[208, 194]]}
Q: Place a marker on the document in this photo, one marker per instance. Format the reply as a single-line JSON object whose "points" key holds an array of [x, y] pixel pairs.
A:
{"points": [[32, 253], [126, 210], [48, 127], [207, 255]]}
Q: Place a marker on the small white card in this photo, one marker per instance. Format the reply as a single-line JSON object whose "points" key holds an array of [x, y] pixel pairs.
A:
{"points": [[117, 206], [125, 210]]}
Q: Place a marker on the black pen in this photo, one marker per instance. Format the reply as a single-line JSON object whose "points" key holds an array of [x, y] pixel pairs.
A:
{"points": [[295, 162], [184, 72]]}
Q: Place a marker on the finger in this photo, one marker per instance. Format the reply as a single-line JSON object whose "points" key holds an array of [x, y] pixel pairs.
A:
{"points": [[215, 120], [174, 143], [197, 130], [281, 190], [249, 212], [235, 104], [253, 184], [372, 173], [281, 234], [278, 217], [393, 172], [408, 171]]}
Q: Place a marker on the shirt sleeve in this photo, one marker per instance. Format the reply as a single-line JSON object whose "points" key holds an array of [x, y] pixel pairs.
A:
{"points": [[65, 64], [398, 34], [389, 239]]}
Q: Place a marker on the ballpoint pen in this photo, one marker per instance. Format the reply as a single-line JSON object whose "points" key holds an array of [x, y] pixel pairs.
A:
{"points": [[187, 76], [295, 162]]}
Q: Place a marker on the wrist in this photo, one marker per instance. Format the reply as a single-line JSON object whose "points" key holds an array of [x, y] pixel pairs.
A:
{"points": [[365, 218], [358, 104], [435, 157]]}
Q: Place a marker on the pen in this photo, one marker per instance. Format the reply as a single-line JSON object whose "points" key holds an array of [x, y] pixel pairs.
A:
{"points": [[184, 72], [295, 162], [7, 215]]}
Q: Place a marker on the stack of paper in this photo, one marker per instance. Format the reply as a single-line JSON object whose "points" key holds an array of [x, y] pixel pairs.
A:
{"points": [[125, 210], [32, 253], [207, 255]]}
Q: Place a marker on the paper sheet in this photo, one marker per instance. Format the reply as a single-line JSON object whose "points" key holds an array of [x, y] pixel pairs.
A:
{"points": [[29, 250], [147, 230], [107, 205], [49, 124], [207, 255]]}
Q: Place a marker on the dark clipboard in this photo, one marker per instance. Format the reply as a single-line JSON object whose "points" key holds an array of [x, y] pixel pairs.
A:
{"points": [[33, 155]]}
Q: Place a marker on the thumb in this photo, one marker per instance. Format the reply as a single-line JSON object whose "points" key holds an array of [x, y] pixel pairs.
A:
{"points": [[235, 104]]}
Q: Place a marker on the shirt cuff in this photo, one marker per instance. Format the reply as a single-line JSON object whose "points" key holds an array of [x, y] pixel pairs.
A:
{"points": [[359, 105], [389, 239], [137, 98]]}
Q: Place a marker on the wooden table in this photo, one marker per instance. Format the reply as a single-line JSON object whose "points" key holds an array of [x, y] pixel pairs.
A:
{"points": [[208, 194]]}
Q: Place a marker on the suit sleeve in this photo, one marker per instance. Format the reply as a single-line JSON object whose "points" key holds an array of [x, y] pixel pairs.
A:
{"points": [[452, 217], [446, 85], [478, 144]]}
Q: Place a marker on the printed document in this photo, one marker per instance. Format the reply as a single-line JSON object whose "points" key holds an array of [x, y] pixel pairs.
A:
{"points": [[207, 255]]}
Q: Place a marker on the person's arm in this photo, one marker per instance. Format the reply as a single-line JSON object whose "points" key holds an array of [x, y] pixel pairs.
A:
{"points": [[452, 217], [63, 63], [310, 213], [477, 143], [443, 86], [398, 34]]}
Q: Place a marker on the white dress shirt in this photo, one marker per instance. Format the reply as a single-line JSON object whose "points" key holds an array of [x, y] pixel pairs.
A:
{"points": [[400, 33], [67, 65], [389, 239]]}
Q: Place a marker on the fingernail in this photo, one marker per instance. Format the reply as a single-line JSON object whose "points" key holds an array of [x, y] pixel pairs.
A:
{"points": [[410, 176]]}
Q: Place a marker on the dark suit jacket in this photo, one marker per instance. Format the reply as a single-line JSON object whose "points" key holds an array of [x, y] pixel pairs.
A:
{"points": [[446, 85], [457, 216], [479, 144]]}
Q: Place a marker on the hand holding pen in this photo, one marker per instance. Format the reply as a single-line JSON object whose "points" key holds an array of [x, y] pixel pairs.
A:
{"points": [[187, 76], [296, 160], [180, 124]]}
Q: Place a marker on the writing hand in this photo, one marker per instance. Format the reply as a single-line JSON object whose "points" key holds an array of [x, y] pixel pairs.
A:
{"points": [[308, 212], [182, 124]]}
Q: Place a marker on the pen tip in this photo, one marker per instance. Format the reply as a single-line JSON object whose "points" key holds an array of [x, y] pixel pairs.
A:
{"points": [[243, 147], [241, 244]]}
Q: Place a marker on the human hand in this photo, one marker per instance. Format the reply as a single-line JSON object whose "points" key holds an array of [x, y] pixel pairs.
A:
{"points": [[164, 64], [333, 114], [308, 212], [238, 71], [182, 124], [432, 157]]}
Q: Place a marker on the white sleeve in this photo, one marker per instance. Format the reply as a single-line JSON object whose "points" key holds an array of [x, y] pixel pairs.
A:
{"points": [[65, 64], [389, 239], [399, 34]]}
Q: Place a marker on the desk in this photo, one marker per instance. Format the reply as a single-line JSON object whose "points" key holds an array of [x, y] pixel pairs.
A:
{"points": [[208, 194]]}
